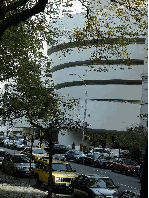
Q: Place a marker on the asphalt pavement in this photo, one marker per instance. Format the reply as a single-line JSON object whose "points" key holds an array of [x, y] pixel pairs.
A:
{"points": [[125, 182]]}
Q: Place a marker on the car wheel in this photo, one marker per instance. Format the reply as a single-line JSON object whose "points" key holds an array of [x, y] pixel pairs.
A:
{"points": [[3, 169], [112, 169], [38, 182], [66, 158], [95, 164], [83, 162], [123, 172], [12, 172], [73, 195]]}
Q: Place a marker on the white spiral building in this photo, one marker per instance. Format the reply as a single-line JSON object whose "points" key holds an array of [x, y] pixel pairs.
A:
{"points": [[113, 97]]}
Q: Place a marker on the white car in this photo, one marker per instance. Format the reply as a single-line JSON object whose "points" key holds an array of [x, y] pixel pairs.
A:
{"points": [[104, 151]]}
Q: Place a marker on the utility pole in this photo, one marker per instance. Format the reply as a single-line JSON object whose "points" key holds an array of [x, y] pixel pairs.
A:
{"points": [[85, 107]]}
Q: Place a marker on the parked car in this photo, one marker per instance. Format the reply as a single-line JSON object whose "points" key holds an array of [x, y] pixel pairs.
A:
{"points": [[100, 161], [18, 145], [137, 171], [92, 159], [10, 144], [88, 159], [1, 133], [92, 186], [57, 149], [102, 151], [79, 157], [37, 153], [74, 155], [125, 166], [17, 164], [5, 141], [3, 153], [62, 174], [111, 162], [1, 140], [129, 194], [59, 157]]}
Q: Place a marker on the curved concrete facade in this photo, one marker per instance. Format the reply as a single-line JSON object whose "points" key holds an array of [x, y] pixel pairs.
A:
{"points": [[113, 97]]}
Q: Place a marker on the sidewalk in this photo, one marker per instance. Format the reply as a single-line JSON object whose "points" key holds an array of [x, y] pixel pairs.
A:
{"points": [[11, 187]]}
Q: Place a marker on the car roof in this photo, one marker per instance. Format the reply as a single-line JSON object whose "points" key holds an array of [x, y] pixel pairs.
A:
{"points": [[95, 176], [53, 161], [19, 154], [3, 150]]}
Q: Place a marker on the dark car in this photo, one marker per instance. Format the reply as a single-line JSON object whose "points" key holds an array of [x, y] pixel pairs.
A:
{"points": [[88, 159], [60, 157], [18, 145], [92, 186], [3, 153], [79, 157], [100, 162], [92, 159], [3, 141], [74, 155], [129, 194], [10, 144], [17, 164], [137, 171], [57, 149]]}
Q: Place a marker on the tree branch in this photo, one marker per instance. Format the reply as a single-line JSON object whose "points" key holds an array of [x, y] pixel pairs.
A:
{"points": [[127, 5], [14, 19], [13, 6]]}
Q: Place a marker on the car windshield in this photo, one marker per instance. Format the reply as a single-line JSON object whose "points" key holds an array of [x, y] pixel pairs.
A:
{"points": [[39, 151], [129, 162], [61, 167], [20, 159], [18, 142], [100, 150], [101, 183], [78, 152]]}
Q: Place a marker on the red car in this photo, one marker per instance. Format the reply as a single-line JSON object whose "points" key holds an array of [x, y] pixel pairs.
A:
{"points": [[125, 166], [113, 161]]}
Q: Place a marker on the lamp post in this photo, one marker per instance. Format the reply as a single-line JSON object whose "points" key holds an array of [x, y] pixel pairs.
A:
{"points": [[84, 106]]}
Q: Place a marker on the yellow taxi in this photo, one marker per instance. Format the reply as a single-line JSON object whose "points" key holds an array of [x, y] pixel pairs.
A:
{"points": [[62, 173], [37, 153]]}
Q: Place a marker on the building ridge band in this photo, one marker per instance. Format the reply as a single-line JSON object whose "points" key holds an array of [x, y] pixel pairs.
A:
{"points": [[103, 41], [97, 82], [98, 62]]}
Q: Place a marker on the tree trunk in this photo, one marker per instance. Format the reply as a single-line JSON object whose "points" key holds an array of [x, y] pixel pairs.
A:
{"points": [[50, 179], [144, 181]]}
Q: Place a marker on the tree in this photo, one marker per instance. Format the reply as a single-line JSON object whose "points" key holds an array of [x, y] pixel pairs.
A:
{"points": [[135, 140], [41, 106], [28, 93]]}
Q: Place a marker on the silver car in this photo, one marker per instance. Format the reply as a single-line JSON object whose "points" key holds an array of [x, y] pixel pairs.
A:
{"points": [[92, 186], [17, 164]]}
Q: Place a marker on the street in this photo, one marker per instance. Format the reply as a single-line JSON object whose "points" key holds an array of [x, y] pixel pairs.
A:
{"points": [[123, 181]]}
